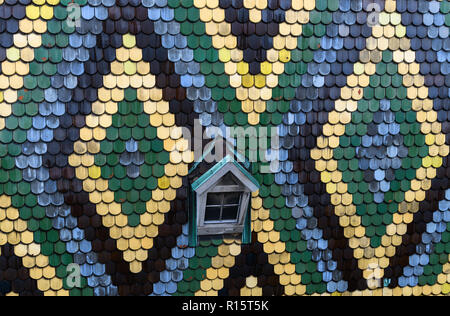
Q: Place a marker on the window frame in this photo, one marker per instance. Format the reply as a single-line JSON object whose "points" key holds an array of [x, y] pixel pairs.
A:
{"points": [[222, 205]]}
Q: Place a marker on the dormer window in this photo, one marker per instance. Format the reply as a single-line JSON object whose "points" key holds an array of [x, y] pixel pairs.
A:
{"points": [[221, 199]]}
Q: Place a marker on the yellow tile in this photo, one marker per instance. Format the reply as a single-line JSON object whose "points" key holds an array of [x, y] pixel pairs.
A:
{"points": [[261, 4], [396, 18], [285, 56], [26, 26], [129, 40], [224, 55], [248, 81], [94, 172], [200, 3], [27, 54], [135, 54], [242, 68], [122, 54], [117, 68], [13, 54], [384, 18], [218, 16], [130, 68], [143, 68], [46, 12], [39, 26], [390, 5], [309, 5], [10, 96], [32, 12], [278, 68], [206, 15], [163, 183], [400, 31], [34, 40], [255, 15]]}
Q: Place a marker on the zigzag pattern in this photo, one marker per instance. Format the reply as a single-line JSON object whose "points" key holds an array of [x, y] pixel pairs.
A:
{"points": [[94, 166]]}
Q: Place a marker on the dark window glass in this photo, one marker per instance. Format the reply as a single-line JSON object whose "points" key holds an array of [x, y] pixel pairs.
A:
{"points": [[214, 199], [212, 214], [231, 199], [230, 213], [222, 206]]}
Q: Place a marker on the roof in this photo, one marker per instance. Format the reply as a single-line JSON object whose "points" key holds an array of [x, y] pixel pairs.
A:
{"points": [[89, 122], [200, 182]]}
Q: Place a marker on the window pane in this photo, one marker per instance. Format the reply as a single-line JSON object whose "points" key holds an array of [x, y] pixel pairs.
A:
{"points": [[232, 199], [230, 213], [214, 199], [212, 214]]}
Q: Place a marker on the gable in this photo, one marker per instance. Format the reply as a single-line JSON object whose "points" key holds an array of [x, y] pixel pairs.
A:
{"points": [[215, 174]]}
